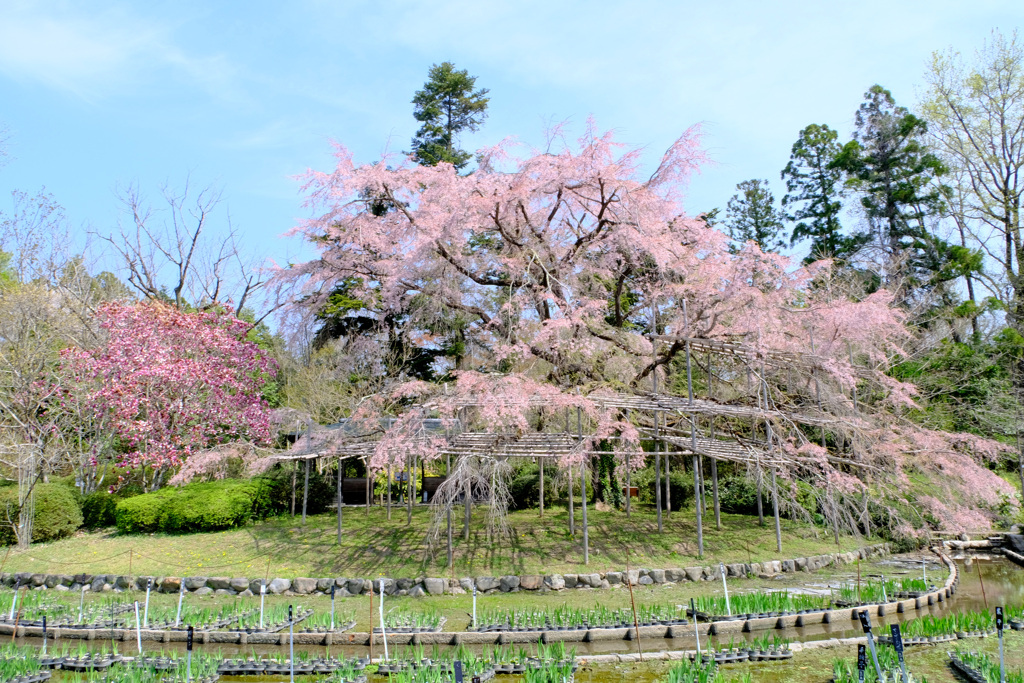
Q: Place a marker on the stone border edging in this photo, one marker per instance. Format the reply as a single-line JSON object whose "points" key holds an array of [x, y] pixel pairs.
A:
{"points": [[346, 587]]}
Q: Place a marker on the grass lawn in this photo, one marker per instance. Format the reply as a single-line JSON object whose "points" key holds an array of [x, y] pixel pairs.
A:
{"points": [[374, 546]]}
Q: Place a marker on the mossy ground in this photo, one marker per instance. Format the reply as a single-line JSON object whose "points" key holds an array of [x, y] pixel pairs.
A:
{"points": [[372, 545]]}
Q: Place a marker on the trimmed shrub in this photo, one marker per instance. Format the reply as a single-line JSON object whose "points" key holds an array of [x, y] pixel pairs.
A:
{"points": [[209, 506], [322, 490], [738, 496], [99, 510], [525, 488], [57, 514]]}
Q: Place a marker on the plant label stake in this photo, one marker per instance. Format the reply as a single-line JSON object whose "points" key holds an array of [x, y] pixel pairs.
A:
{"points": [[81, 605], [188, 647], [725, 587], [897, 643], [696, 631], [457, 668], [291, 641], [865, 622], [998, 629], [138, 627], [44, 635], [145, 614], [263, 597], [383, 633], [333, 587], [181, 596], [17, 585], [862, 662]]}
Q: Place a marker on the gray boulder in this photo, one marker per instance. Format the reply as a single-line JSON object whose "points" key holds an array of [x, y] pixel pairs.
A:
{"points": [[239, 585], [203, 590], [531, 582], [303, 586], [554, 581], [675, 575], [466, 583], [487, 583], [645, 581], [788, 566], [404, 584], [194, 582], [278, 586], [509, 583], [356, 586], [434, 586], [570, 580], [694, 573], [222, 583], [417, 591], [324, 585], [613, 578], [657, 575]]}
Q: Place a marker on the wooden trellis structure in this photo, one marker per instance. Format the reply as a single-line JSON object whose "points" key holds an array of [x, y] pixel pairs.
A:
{"points": [[669, 421]]}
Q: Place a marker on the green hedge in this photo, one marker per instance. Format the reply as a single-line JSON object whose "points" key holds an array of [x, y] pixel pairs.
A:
{"points": [[209, 506], [99, 510], [322, 489], [57, 514]]}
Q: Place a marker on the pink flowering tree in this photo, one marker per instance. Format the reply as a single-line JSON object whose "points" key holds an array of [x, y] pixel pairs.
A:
{"points": [[167, 384], [562, 265]]}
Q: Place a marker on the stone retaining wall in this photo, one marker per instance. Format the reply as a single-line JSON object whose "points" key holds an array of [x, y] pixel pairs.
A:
{"points": [[345, 587]]}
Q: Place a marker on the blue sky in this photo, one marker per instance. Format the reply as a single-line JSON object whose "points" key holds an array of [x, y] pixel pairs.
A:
{"points": [[245, 96]]}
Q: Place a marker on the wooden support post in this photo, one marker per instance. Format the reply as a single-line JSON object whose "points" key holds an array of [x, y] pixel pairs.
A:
{"points": [[583, 487], [668, 485], [295, 474], [700, 522], [689, 374], [410, 488], [341, 500], [629, 482], [451, 552], [540, 463], [366, 464], [714, 493], [703, 492], [657, 469], [711, 378], [305, 492], [388, 489], [469, 510], [760, 505], [583, 496], [775, 504]]}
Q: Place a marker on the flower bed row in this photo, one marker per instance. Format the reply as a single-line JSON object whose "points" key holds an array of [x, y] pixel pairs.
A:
{"points": [[980, 668]]}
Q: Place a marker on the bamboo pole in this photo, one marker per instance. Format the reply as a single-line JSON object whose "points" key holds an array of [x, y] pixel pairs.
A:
{"points": [[696, 488], [657, 470], [341, 498], [305, 492], [583, 489]]}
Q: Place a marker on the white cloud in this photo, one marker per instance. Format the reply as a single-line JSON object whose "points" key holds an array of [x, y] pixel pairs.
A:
{"points": [[93, 54]]}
